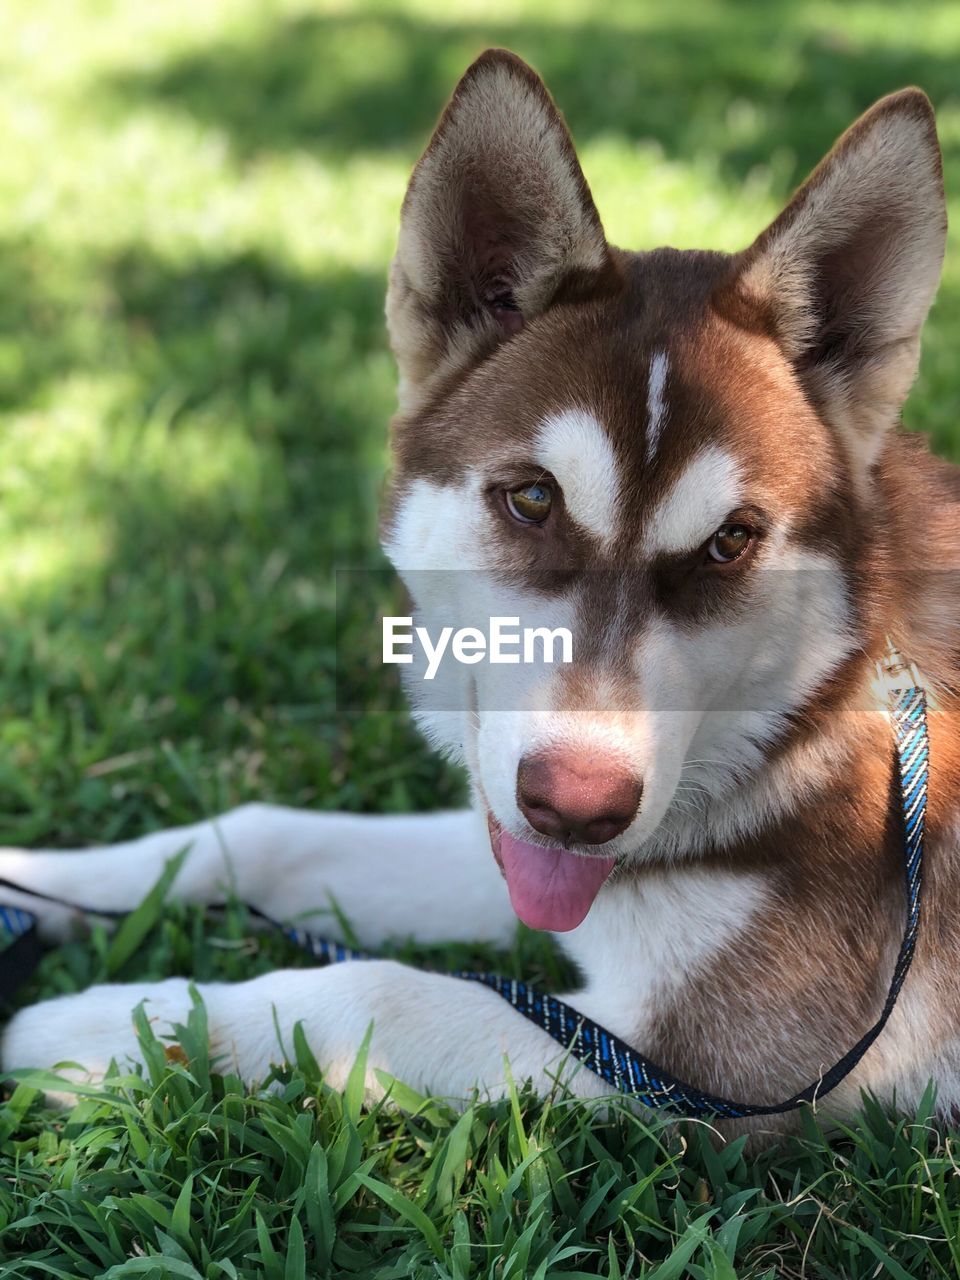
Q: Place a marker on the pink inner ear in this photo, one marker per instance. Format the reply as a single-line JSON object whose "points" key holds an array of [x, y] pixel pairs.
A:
{"points": [[509, 319], [499, 300]]}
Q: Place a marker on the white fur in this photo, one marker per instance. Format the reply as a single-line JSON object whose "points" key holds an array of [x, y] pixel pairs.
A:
{"points": [[429, 877], [656, 403], [576, 448], [393, 876], [438, 546], [438, 527], [646, 937], [440, 1034], [702, 496]]}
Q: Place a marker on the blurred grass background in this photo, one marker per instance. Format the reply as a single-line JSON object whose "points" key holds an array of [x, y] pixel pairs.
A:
{"points": [[198, 202]]}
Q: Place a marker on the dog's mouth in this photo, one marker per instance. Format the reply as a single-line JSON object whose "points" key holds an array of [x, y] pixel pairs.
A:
{"points": [[550, 887]]}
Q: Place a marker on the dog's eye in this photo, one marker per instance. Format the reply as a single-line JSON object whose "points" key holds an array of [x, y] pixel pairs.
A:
{"points": [[729, 543], [531, 504]]}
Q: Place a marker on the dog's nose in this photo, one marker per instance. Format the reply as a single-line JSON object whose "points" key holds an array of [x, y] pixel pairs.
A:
{"points": [[584, 799]]}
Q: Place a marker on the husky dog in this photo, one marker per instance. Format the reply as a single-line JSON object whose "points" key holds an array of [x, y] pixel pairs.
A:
{"points": [[695, 459]]}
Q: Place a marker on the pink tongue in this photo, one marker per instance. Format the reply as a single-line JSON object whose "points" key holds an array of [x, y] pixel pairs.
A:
{"points": [[551, 888]]}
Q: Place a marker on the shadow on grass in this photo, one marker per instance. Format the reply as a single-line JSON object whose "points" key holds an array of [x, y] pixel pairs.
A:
{"points": [[209, 618], [739, 84], [37, 343], [295, 364], [241, 464]]}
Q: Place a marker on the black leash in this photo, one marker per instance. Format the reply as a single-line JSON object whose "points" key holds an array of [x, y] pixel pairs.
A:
{"points": [[20, 949], [621, 1066]]}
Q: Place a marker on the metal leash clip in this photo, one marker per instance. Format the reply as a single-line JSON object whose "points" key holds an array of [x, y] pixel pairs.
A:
{"points": [[895, 673]]}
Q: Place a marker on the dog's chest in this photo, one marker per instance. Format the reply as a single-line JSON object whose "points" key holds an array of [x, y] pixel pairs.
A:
{"points": [[646, 937]]}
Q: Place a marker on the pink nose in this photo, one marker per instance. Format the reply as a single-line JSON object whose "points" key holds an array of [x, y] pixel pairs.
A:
{"points": [[584, 799]]}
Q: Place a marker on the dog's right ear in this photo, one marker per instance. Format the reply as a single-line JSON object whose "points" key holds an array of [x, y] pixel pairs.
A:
{"points": [[845, 276], [498, 223]]}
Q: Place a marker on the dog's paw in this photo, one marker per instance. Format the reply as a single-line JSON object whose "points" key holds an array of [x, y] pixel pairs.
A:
{"points": [[89, 1030]]}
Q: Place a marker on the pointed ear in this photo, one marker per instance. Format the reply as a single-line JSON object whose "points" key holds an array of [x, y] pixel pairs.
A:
{"points": [[845, 276], [498, 223]]}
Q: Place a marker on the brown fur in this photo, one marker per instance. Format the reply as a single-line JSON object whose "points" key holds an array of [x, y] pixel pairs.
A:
{"points": [[801, 350]]}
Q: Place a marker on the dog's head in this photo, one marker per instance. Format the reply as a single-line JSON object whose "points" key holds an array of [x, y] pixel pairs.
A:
{"points": [[669, 453]]}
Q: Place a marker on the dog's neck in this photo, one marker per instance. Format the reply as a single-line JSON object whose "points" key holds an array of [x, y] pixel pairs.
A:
{"points": [[797, 775]]}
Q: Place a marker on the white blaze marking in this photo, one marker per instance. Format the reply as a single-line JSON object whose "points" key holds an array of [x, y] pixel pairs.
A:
{"points": [[438, 526], [575, 447], [656, 406], [701, 499]]}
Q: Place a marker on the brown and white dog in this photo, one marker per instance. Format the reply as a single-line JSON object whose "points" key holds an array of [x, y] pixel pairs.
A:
{"points": [[694, 459]]}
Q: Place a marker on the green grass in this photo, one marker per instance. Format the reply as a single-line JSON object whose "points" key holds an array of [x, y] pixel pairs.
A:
{"points": [[197, 205]]}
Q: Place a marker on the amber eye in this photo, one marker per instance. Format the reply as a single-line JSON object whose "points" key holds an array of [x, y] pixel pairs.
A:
{"points": [[729, 543], [531, 504]]}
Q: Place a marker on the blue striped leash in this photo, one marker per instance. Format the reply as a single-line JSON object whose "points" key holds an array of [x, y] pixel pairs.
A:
{"points": [[622, 1067], [19, 949]]}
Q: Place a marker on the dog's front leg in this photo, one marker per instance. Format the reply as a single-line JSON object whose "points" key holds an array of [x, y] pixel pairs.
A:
{"points": [[439, 1034], [429, 877]]}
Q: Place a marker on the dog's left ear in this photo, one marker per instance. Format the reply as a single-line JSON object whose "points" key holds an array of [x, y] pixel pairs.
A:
{"points": [[845, 276], [497, 225]]}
